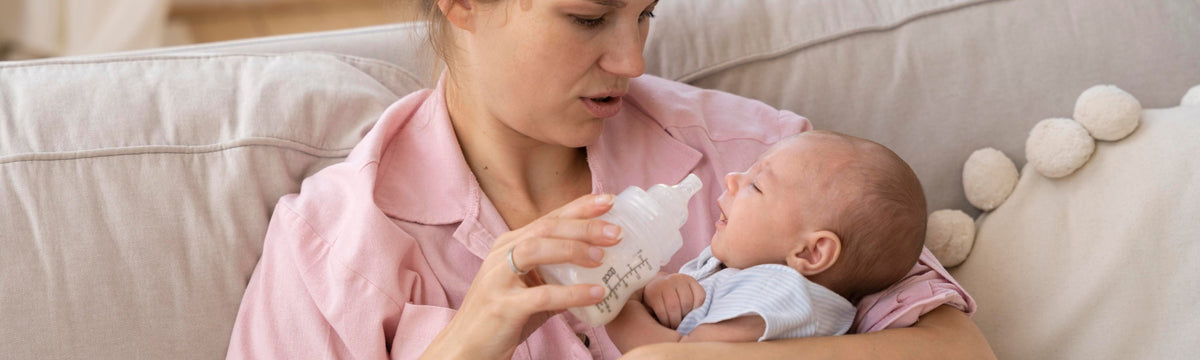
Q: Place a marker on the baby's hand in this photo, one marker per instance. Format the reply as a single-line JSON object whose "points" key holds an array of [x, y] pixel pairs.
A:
{"points": [[673, 297]]}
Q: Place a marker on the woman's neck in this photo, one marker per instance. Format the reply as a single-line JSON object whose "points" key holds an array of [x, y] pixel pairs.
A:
{"points": [[524, 178]]}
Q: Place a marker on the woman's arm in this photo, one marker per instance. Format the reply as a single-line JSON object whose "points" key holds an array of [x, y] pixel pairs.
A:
{"points": [[944, 332]]}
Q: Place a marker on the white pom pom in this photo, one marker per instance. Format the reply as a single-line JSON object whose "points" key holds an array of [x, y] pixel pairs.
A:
{"points": [[950, 235], [1192, 98], [988, 178], [1057, 147], [1107, 112]]}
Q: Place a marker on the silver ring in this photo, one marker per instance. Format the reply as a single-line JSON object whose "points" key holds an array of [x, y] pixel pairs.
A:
{"points": [[513, 266]]}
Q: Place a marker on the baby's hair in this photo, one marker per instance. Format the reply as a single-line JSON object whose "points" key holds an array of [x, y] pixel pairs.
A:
{"points": [[882, 226]]}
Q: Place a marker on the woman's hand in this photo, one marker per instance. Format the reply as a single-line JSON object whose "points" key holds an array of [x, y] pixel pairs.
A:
{"points": [[503, 307], [673, 297]]}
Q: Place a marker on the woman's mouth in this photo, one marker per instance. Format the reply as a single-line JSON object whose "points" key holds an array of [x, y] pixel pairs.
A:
{"points": [[602, 107]]}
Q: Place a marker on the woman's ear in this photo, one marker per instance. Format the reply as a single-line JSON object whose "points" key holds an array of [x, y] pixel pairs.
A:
{"points": [[459, 13], [816, 252]]}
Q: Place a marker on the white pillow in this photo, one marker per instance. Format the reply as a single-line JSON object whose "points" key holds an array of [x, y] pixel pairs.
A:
{"points": [[135, 192], [1100, 264]]}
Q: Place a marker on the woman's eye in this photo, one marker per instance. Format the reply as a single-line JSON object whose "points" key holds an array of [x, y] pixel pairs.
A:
{"points": [[588, 22], [646, 15]]}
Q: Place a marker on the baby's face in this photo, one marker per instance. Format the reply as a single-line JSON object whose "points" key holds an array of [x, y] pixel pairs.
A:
{"points": [[780, 197]]}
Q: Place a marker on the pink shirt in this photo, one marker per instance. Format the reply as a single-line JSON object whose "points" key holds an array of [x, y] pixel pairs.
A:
{"points": [[373, 256]]}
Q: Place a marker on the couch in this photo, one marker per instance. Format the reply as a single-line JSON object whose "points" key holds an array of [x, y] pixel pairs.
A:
{"points": [[135, 188]]}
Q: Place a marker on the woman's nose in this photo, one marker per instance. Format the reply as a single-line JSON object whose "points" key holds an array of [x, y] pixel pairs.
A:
{"points": [[624, 55]]}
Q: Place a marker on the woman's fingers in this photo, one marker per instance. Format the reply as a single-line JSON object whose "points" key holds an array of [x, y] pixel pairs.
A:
{"points": [[593, 231], [532, 253], [574, 221], [555, 297], [585, 207]]}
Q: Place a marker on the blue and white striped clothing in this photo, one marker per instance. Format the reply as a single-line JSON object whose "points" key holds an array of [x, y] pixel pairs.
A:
{"points": [[791, 305]]}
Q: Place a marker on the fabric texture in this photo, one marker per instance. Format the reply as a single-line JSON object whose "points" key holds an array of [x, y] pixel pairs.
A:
{"points": [[1113, 247], [135, 191], [790, 305]]}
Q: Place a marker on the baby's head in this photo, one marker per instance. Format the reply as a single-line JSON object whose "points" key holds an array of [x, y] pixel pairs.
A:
{"points": [[845, 212]]}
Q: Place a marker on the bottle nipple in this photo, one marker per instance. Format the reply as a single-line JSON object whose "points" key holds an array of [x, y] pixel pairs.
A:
{"points": [[674, 199]]}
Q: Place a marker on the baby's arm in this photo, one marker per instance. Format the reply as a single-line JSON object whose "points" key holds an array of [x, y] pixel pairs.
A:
{"points": [[672, 297], [635, 327]]}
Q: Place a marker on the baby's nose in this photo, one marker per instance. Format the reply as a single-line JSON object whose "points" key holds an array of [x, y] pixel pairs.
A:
{"points": [[731, 181]]}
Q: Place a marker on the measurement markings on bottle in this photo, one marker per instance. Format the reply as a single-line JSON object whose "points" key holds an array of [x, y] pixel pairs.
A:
{"points": [[616, 280]]}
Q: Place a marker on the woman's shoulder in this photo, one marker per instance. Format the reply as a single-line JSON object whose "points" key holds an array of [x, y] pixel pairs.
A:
{"points": [[721, 115], [345, 191]]}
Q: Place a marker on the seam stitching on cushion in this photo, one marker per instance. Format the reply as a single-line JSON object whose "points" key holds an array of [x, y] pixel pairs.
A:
{"points": [[177, 149], [789, 48], [348, 59], [129, 59]]}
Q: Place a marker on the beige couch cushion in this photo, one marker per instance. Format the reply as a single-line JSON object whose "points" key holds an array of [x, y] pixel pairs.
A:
{"points": [[1100, 264], [135, 191], [932, 79]]}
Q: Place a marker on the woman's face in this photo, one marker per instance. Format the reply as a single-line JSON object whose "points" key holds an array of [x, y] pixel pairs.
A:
{"points": [[552, 70]]}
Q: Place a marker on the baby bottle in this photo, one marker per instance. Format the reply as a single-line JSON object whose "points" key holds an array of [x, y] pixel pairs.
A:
{"points": [[649, 222]]}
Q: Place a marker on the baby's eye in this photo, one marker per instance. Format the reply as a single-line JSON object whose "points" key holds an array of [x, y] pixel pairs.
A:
{"points": [[755, 186]]}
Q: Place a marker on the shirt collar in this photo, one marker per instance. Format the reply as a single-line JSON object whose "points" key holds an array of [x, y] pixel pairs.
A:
{"points": [[424, 178]]}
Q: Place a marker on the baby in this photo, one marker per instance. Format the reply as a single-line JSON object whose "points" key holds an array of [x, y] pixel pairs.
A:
{"points": [[820, 220]]}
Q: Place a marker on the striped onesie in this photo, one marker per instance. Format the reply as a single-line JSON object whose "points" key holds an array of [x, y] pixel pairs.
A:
{"points": [[791, 305]]}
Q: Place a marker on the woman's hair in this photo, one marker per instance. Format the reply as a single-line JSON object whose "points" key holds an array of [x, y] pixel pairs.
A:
{"points": [[436, 27], [881, 220], [438, 30]]}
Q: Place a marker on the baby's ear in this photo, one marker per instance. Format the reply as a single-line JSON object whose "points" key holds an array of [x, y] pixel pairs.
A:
{"points": [[815, 252]]}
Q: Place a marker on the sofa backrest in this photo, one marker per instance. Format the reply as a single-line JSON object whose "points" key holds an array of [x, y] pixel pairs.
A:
{"points": [[933, 80], [135, 191]]}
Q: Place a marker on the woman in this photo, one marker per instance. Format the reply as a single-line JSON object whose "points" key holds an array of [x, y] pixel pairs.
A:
{"points": [[421, 242]]}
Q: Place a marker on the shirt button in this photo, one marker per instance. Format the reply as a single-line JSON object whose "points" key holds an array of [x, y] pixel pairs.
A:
{"points": [[584, 338]]}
